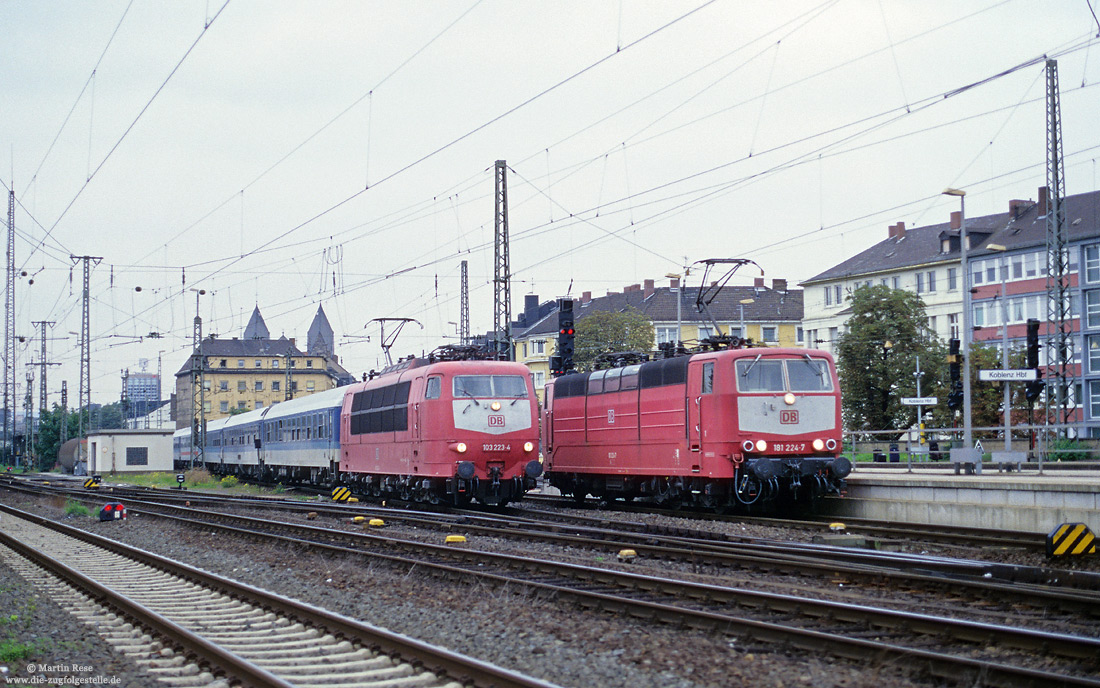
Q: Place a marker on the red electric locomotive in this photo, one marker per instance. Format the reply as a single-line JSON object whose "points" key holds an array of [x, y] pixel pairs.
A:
{"points": [[447, 431], [720, 429]]}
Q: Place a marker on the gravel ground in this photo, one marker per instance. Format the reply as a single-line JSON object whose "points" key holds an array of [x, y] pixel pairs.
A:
{"points": [[554, 640]]}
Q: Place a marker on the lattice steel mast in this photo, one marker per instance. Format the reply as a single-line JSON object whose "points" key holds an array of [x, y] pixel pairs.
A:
{"points": [[85, 401], [1061, 377], [9, 335], [502, 276], [198, 389], [464, 304]]}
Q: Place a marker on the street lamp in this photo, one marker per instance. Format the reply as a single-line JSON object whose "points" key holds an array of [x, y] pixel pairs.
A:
{"points": [[744, 302], [967, 455], [679, 298]]}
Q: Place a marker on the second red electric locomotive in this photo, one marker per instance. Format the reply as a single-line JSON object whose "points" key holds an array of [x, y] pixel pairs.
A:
{"points": [[719, 429]]}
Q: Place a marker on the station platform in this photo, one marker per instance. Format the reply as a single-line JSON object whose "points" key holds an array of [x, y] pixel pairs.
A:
{"points": [[1025, 500]]}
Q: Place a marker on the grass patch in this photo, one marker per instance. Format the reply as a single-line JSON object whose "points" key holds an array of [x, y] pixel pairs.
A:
{"points": [[76, 509]]}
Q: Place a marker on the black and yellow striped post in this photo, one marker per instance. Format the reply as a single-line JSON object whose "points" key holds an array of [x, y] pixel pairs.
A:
{"points": [[340, 494], [1071, 538], [92, 482]]}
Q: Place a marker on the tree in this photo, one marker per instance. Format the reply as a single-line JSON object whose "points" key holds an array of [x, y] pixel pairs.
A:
{"points": [[877, 357], [606, 332], [48, 442]]}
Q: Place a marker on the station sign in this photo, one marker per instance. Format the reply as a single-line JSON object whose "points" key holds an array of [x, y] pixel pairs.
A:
{"points": [[999, 375], [920, 401]]}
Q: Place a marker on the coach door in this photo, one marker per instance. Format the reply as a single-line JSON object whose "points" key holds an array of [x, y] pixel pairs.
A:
{"points": [[700, 383]]}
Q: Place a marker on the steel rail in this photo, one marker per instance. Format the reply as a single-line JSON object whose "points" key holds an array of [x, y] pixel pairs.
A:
{"points": [[435, 659]]}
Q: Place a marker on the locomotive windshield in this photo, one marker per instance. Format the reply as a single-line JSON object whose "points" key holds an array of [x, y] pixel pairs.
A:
{"points": [[801, 375], [513, 386]]}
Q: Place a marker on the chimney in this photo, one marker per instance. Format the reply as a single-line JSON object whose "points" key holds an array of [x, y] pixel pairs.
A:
{"points": [[586, 297], [1017, 207], [530, 309], [1043, 200], [758, 282], [956, 219], [632, 287], [779, 285], [647, 285], [899, 230], [674, 283]]}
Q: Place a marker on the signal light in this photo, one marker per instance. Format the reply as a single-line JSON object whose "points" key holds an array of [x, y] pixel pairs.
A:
{"points": [[566, 333], [953, 359], [1032, 343]]}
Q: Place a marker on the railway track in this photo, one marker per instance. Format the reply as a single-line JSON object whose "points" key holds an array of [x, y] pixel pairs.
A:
{"points": [[951, 535], [1000, 654], [214, 628], [715, 553]]}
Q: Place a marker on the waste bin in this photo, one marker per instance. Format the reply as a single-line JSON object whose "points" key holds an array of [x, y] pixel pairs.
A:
{"points": [[895, 455], [934, 451], [878, 456]]}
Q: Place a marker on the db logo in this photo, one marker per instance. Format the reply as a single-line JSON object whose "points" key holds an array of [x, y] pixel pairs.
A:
{"points": [[496, 421], [788, 417]]}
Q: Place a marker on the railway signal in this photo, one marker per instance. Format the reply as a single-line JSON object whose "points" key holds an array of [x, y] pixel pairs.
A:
{"points": [[566, 335], [955, 396]]}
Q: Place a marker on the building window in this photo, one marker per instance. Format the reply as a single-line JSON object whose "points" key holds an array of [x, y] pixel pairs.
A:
{"points": [[799, 335], [258, 404], [224, 385], [259, 363], [309, 363], [224, 407], [705, 332], [931, 280], [241, 385], [952, 279], [1017, 267], [222, 363], [837, 293], [770, 333], [828, 296], [137, 456], [206, 384], [735, 332], [242, 404], [832, 336], [932, 324], [310, 385], [1092, 308], [539, 346], [990, 271], [540, 379], [1092, 263], [1094, 398], [979, 314], [895, 282], [666, 334], [275, 386], [293, 385], [259, 385], [240, 362], [920, 283], [953, 325], [206, 406]]}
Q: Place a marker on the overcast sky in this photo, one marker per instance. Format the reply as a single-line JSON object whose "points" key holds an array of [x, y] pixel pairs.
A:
{"points": [[290, 154]]}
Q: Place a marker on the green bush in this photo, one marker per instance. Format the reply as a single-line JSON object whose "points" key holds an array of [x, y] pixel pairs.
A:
{"points": [[229, 481], [1068, 449], [76, 509]]}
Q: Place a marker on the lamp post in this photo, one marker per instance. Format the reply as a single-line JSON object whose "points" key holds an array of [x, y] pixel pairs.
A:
{"points": [[743, 303], [679, 299], [968, 451]]}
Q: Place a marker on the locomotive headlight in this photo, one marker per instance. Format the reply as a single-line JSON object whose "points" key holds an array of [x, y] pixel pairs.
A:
{"points": [[459, 447], [761, 445], [528, 446], [819, 444], [747, 445], [788, 398], [495, 405]]}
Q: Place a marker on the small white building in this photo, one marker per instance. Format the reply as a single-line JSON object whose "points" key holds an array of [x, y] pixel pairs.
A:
{"points": [[130, 451]]}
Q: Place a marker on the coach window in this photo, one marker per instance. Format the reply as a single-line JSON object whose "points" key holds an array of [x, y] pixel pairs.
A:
{"points": [[595, 382], [611, 380], [435, 388], [708, 378]]}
